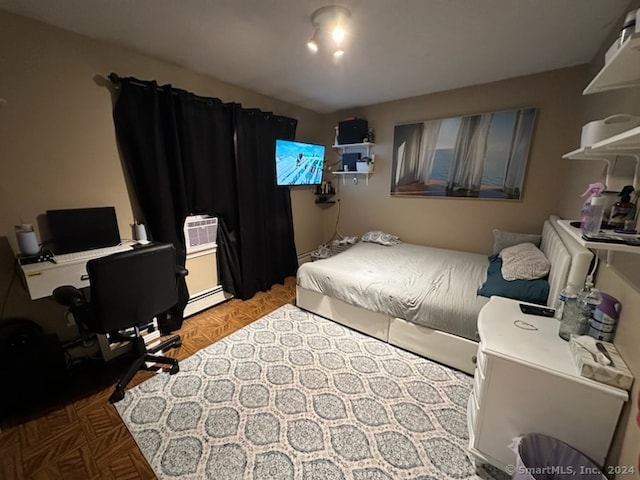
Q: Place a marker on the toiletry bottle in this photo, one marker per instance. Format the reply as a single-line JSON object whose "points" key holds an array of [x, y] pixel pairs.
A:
{"points": [[621, 209], [593, 219], [593, 209]]}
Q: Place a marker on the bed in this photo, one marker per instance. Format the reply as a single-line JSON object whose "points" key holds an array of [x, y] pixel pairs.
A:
{"points": [[420, 298]]}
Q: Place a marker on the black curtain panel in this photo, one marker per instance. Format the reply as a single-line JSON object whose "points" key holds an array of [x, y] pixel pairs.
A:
{"points": [[188, 154], [265, 214], [145, 123]]}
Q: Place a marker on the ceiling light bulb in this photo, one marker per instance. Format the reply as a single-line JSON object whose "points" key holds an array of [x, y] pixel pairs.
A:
{"points": [[313, 43], [338, 53], [338, 34]]}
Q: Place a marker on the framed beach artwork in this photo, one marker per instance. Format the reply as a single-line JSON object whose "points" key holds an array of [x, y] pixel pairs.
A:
{"points": [[474, 156]]}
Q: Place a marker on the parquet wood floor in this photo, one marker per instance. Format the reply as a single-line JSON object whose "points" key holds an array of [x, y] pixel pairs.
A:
{"points": [[80, 435]]}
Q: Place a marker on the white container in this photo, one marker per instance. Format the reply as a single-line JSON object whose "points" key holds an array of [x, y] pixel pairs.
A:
{"points": [[629, 26], [364, 167], [27, 240], [597, 130]]}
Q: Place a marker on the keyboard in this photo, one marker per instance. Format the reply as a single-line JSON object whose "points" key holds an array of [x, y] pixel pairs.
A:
{"points": [[89, 254]]}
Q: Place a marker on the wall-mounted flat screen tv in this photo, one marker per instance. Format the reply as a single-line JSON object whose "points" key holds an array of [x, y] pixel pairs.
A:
{"points": [[298, 163]]}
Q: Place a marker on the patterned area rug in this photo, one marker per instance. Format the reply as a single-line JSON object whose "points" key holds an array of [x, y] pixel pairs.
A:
{"points": [[295, 396]]}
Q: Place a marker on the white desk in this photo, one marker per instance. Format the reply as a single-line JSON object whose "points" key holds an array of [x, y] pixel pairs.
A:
{"points": [[41, 279]]}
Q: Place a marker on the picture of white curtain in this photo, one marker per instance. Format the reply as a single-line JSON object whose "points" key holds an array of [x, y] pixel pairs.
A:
{"points": [[400, 161], [514, 173], [428, 142], [469, 153], [481, 155]]}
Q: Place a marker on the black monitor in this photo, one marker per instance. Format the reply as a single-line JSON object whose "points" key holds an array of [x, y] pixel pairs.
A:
{"points": [[77, 229]]}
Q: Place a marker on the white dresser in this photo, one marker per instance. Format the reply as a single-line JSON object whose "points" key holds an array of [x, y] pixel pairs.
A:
{"points": [[526, 382]]}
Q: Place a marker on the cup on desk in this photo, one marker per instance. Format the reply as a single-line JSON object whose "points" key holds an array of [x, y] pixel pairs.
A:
{"points": [[27, 239], [139, 232]]}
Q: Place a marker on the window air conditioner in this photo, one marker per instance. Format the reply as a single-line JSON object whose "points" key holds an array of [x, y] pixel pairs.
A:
{"points": [[200, 232]]}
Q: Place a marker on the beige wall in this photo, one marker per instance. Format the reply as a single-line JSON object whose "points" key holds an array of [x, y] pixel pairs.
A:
{"points": [[58, 149], [57, 141], [466, 224]]}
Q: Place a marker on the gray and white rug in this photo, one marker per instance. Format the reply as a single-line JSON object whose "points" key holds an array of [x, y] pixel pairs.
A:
{"points": [[295, 396]]}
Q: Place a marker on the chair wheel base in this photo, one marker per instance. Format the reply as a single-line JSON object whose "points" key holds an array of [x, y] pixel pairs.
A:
{"points": [[177, 344], [174, 369], [116, 396]]}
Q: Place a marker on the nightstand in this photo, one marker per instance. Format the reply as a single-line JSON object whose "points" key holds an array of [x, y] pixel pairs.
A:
{"points": [[526, 382]]}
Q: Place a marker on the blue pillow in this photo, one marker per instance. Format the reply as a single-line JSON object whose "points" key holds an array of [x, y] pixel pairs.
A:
{"points": [[534, 291]]}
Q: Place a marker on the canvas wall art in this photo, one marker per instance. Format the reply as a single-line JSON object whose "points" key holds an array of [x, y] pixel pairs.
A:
{"points": [[474, 156]]}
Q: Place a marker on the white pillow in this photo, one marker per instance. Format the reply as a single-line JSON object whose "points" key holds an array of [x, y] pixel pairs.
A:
{"points": [[524, 262], [378, 236]]}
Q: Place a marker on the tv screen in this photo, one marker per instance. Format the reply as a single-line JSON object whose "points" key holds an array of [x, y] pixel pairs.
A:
{"points": [[298, 163]]}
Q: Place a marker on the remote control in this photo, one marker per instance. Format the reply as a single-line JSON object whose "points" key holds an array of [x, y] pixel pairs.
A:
{"points": [[533, 310]]}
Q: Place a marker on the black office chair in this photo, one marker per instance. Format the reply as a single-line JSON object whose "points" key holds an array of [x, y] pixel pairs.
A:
{"points": [[127, 290]]}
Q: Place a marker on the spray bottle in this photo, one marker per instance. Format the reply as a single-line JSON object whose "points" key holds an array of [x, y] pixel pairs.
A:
{"points": [[621, 209], [593, 209]]}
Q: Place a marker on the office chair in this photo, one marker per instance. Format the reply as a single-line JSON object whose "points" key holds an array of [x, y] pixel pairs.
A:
{"points": [[127, 290]]}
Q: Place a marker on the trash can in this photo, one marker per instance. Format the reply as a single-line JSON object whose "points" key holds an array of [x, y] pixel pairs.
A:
{"points": [[540, 457]]}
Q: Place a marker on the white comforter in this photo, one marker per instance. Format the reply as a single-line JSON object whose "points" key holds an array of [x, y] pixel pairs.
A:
{"points": [[427, 286]]}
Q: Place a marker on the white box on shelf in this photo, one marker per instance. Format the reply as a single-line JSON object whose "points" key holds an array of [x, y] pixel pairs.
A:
{"points": [[364, 167]]}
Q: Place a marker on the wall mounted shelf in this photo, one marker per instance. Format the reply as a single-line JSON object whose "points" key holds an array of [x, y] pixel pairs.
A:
{"points": [[355, 175], [604, 246], [622, 71], [365, 148], [625, 144]]}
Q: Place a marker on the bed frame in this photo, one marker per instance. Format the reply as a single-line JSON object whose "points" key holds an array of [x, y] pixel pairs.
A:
{"points": [[570, 263]]}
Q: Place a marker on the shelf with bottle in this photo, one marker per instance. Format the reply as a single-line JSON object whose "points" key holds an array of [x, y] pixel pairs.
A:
{"points": [[621, 71], [612, 242], [324, 193], [325, 198]]}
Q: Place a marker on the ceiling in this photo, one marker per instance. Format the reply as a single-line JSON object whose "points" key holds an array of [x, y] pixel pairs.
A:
{"points": [[396, 48]]}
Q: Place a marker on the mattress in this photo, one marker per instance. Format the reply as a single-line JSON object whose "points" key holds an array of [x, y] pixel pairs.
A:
{"points": [[423, 285]]}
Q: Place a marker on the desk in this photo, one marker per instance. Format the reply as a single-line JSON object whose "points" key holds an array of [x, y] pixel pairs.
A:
{"points": [[41, 279]]}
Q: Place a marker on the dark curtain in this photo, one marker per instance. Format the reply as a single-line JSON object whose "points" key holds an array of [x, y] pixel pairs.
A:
{"points": [[182, 156], [264, 209]]}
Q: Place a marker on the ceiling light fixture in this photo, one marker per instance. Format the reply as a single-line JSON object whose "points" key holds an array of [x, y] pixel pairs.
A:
{"points": [[312, 44], [330, 25]]}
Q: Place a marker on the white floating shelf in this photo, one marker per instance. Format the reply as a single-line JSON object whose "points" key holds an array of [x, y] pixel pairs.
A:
{"points": [[622, 71], [352, 145], [611, 247]]}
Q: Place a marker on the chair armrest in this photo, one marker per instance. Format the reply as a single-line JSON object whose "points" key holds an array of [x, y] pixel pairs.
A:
{"points": [[69, 296], [181, 271]]}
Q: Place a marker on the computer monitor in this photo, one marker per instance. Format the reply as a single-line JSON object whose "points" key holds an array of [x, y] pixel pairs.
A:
{"points": [[77, 229]]}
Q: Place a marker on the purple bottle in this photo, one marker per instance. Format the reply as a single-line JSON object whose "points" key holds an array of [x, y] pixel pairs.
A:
{"points": [[605, 319]]}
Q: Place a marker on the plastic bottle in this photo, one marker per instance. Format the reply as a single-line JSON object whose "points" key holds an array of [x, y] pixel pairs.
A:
{"points": [[589, 298], [571, 313], [593, 216], [568, 291], [578, 310], [621, 209]]}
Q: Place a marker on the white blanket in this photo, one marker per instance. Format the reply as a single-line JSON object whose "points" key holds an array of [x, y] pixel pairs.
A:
{"points": [[427, 286]]}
